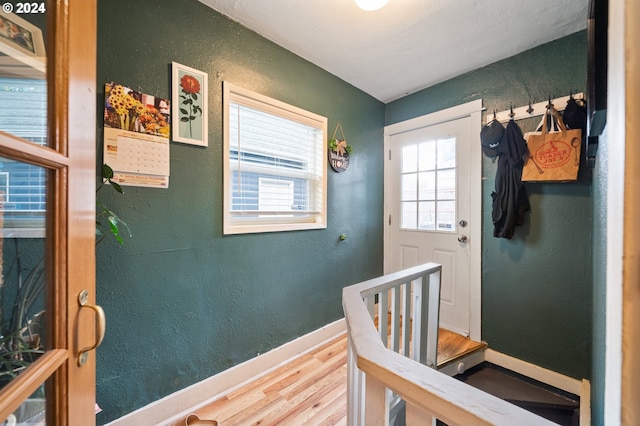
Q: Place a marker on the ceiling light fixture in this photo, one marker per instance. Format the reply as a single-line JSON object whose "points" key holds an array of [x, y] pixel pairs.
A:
{"points": [[371, 4]]}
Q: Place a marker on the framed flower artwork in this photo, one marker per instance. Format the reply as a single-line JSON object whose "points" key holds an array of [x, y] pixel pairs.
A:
{"points": [[189, 105]]}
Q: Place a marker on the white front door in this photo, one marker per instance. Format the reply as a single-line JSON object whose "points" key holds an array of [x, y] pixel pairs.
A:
{"points": [[432, 197]]}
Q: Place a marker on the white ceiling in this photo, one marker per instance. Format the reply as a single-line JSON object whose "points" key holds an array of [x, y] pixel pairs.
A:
{"points": [[407, 45]]}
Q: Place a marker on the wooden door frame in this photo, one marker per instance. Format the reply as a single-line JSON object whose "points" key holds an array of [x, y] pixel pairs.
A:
{"points": [[631, 285], [80, 98], [622, 355], [70, 243], [473, 110]]}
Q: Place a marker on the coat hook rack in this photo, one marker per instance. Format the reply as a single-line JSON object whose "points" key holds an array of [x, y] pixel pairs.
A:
{"points": [[530, 110]]}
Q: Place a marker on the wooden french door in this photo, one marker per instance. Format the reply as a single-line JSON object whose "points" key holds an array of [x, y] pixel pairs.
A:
{"points": [[47, 211]]}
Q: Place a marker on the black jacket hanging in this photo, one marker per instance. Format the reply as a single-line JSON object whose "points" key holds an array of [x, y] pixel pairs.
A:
{"points": [[510, 199]]}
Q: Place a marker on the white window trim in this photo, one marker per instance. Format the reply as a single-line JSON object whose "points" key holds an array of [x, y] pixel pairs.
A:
{"points": [[247, 97]]}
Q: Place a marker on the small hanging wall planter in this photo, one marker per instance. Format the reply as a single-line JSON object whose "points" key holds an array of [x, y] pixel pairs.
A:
{"points": [[339, 151]]}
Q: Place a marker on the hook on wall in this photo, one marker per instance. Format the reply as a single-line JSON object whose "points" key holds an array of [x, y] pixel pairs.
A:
{"points": [[511, 113], [530, 109]]}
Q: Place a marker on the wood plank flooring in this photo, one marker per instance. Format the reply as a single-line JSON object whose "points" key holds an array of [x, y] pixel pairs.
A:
{"points": [[310, 390]]}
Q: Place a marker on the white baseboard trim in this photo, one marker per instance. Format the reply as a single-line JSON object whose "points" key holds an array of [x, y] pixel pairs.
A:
{"points": [[180, 404], [560, 381], [585, 403]]}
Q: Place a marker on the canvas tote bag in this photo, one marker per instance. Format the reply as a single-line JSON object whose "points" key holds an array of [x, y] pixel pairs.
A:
{"points": [[554, 156]]}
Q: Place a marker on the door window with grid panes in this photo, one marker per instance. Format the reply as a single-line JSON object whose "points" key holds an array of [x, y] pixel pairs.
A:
{"points": [[428, 186]]}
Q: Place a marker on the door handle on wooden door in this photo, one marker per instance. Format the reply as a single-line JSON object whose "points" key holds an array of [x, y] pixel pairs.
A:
{"points": [[101, 325]]}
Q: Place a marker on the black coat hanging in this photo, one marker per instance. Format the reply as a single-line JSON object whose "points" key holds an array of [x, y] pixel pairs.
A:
{"points": [[510, 199]]}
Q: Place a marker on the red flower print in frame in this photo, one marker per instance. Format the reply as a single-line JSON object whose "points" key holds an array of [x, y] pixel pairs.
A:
{"points": [[190, 105]]}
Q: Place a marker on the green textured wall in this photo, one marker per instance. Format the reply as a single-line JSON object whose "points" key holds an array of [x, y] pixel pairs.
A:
{"points": [[183, 302], [536, 287]]}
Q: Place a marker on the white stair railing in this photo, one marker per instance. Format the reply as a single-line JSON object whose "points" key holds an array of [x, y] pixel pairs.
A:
{"points": [[386, 365]]}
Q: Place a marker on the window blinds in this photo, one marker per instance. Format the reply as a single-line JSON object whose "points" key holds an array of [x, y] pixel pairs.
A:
{"points": [[276, 163]]}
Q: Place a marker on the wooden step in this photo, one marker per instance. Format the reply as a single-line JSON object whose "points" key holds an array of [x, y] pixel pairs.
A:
{"points": [[453, 346]]}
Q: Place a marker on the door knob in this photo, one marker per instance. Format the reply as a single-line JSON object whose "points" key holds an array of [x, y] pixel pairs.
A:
{"points": [[462, 238]]}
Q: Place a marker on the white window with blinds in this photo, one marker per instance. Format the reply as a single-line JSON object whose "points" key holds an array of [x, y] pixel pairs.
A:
{"points": [[275, 166]]}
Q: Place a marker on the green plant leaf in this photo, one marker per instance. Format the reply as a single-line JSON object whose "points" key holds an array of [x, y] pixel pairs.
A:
{"points": [[107, 172], [116, 232], [116, 186], [116, 225]]}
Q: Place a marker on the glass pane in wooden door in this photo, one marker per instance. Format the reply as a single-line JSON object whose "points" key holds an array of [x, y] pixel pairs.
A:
{"points": [[23, 85], [23, 313]]}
